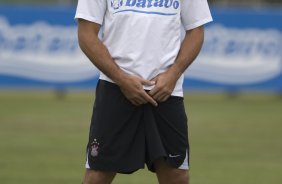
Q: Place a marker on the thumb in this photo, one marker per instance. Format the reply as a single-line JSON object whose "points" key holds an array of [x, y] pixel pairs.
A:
{"points": [[148, 83]]}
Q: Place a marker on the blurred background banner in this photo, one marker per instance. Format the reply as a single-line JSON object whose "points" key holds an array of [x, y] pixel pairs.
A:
{"points": [[39, 49], [242, 50]]}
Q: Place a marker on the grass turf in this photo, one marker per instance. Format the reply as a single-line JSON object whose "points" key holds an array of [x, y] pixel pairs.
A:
{"points": [[42, 139]]}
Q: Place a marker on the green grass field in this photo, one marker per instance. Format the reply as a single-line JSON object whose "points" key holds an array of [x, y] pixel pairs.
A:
{"points": [[233, 141]]}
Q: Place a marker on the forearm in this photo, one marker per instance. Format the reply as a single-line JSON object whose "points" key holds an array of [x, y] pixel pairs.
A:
{"points": [[131, 86], [189, 50], [97, 53]]}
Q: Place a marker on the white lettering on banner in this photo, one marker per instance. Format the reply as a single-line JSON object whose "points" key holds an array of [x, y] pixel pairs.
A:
{"points": [[238, 56], [51, 53], [42, 51]]}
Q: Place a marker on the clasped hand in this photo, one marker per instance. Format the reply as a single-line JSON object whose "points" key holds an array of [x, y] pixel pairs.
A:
{"points": [[132, 88]]}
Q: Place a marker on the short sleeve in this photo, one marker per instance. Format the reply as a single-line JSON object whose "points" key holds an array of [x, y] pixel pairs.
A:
{"points": [[195, 13], [91, 10]]}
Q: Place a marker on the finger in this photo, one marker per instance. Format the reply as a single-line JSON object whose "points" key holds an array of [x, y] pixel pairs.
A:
{"points": [[142, 101], [139, 101], [149, 99], [163, 98], [140, 97], [157, 96], [134, 102], [154, 91], [148, 82]]}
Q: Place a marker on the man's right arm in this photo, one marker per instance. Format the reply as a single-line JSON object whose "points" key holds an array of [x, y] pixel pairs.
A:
{"points": [[95, 50]]}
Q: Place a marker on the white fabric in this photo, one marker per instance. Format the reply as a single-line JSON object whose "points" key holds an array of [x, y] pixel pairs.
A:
{"points": [[86, 163], [184, 165], [144, 36]]}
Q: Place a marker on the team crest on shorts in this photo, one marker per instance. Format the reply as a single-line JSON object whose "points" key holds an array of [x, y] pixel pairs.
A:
{"points": [[94, 148], [116, 4]]}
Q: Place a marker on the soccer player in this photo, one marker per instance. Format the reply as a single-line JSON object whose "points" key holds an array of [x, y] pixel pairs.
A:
{"points": [[138, 115]]}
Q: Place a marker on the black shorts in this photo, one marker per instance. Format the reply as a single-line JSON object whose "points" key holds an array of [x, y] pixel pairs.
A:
{"points": [[124, 137]]}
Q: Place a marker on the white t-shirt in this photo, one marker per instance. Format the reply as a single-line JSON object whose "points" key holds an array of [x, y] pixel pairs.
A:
{"points": [[144, 36]]}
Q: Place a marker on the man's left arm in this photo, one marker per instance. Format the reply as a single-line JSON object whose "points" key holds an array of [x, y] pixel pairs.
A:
{"points": [[190, 48]]}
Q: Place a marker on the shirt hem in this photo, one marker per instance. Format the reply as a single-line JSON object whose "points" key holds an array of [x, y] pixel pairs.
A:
{"points": [[89, 18], [198, 23], [174, 93]]}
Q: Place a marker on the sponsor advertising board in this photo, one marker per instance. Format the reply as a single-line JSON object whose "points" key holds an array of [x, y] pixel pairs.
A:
{"points": [[39, 48]]}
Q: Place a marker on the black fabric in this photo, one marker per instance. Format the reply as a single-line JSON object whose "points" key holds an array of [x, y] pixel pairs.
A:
{"points": [[123, 137]]}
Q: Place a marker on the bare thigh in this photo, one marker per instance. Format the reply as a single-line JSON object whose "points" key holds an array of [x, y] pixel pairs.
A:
{"points": [[98, 177], [170, 175]]}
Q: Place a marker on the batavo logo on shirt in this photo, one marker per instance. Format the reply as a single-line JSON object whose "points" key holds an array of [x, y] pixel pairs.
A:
{"points": [[160, 7], [115, 4]]}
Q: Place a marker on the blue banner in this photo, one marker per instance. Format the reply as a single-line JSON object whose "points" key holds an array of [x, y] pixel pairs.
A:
{"points": [[39, 48]]}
